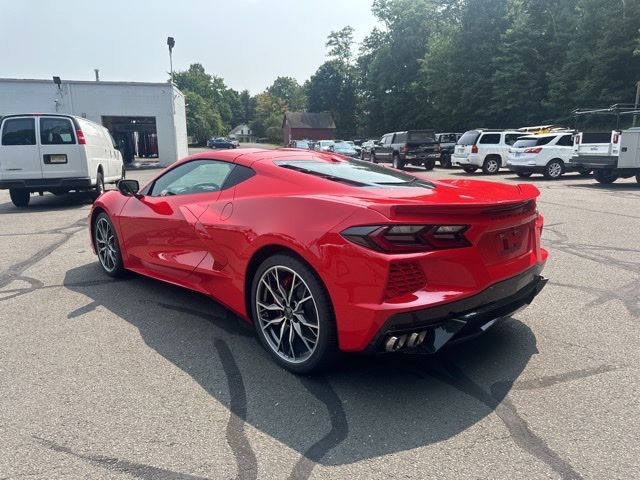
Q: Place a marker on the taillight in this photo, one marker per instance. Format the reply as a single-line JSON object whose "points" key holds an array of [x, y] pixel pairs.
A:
{"points": [[616, 137], [533, 150], [578, 139], [80, 135], [474, 149], [405, 148], [408, 238]]}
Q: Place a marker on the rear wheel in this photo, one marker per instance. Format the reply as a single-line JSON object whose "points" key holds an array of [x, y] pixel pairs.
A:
{"points": [[20, 197], [99, 188], [445, 160], [584, 172], [107, 246], [293, 316], [524, 174], [429, 164], [397, 162], [372, 157], [604, 176], [638, 178], [554, 169], [491, 165], [470, 168]]}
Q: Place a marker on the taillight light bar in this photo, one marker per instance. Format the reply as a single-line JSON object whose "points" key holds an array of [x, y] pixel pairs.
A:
{"points": [[474, 149], [408, 238], [533, 150], [80, 135]]}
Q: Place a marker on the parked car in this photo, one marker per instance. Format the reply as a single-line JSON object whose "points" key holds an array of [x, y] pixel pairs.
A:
{"points": [[221, 142], [611, 155], [344, 148], [304, 144], [57, 154], [486, 149], [323, 145], [447, 143], [365, 149], [549, 154], [415, 147], [380, 274], [354, 145]]}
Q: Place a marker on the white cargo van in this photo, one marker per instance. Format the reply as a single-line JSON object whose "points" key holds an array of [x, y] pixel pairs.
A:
{"points": [[57, 154]]}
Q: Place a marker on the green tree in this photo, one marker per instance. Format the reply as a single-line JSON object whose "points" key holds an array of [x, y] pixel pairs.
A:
{"points": [[290, 92], [202, 121], [267, 121]]}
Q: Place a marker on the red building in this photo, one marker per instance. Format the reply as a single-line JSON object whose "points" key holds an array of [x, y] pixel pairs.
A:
{"points": [[307, 126]]}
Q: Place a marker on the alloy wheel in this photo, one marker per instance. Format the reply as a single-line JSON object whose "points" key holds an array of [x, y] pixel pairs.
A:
{"points": [[555, 170], [287, 314], [106, 245]]}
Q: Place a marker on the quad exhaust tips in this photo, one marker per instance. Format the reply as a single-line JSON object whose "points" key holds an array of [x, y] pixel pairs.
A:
{"points": [[411, 340]]}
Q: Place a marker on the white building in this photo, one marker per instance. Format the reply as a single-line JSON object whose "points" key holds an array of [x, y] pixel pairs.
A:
{"points": [[242, 133], [146, 119]]}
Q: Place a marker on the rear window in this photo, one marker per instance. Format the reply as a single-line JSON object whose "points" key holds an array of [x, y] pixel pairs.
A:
{"points": [[56, 131], [532, 142], [19, 131], [469, 138], [400, 138], [490, 139], [421, 136], [355, 172]]}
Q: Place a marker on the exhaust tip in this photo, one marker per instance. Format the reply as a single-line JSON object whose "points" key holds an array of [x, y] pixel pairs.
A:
{"points": [[412, 340], [390, 343]]}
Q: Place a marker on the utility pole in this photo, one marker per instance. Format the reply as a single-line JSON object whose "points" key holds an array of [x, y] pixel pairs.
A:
{"points": [[171, 42], [635, 116]]}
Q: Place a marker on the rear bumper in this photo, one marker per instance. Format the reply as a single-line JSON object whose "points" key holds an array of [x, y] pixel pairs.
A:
{"points": [[525, 168], [38, 184], [463, 319]]}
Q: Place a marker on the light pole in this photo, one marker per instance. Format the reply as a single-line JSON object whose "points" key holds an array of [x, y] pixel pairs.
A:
{"points": [[635, 116], [171, 42]]}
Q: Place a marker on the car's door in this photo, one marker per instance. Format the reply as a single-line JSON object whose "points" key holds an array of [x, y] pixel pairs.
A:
{"points": [[160, 229], [564, 147], [62, 156], [384, 148], [20, 158]]}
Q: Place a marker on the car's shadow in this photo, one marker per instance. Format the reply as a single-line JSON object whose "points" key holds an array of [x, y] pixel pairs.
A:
{"points": [[369, 406], [49, 203]]}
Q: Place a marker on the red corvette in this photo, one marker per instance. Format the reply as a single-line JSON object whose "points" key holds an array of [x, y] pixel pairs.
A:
{"points": [[326, 254]]}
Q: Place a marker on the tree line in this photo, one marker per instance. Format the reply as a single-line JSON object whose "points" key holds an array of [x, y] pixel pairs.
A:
{"points": [[446, 64]]}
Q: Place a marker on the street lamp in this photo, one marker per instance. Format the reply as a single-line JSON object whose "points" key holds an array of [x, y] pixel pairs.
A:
{"points": [[171, 42]]}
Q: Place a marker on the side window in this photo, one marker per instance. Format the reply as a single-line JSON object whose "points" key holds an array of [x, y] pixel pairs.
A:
{"points": [[510, 138], [56, 131], [19, 131], [489, 139], [565, 141], [400, 138], [386, 140], [198, 176]]}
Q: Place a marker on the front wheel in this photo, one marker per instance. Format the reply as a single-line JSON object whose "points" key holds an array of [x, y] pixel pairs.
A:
{"points": [[470, 168], [429, 164], [554, 169], [293, 316], [445, 160], [106, 243], [604, 176], [20, 197]]}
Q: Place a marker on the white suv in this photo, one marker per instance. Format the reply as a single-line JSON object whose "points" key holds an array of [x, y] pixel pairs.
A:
{"points": [[548, 154], [486, 149]]}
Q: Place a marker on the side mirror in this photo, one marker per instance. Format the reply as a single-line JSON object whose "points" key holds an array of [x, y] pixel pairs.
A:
{"points": [[128, 188]]}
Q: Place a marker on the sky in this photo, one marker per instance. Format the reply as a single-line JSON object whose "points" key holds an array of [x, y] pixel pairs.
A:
{"points": [[246, 42]]}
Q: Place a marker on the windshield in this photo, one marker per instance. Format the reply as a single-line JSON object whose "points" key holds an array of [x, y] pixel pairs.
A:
{"points": [[355, 172], [469, 138]]}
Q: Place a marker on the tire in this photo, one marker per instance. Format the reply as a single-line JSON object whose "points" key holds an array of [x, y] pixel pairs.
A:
{"points": [[491, 165], [524, 174], [584, 172], [372, 157], [99, 188], [638, 178], [470, 168], [554, 169], [20, 197], [107, 246], [397, 163], [429, 164], [308, 346], [604, 176], [445, 160]]}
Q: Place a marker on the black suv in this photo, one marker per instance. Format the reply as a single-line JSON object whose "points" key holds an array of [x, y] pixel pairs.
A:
{"points": [[415, 147]]}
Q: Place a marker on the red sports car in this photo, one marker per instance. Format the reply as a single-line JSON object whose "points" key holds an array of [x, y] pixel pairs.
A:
{"points": [[324, 253]]}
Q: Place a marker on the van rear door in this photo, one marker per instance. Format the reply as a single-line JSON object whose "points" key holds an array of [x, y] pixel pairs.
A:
{"points": [[62, 155], [19, 151]]}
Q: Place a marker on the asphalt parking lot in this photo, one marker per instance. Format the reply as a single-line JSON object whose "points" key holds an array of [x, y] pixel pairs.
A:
{"points": [[106, 379]]}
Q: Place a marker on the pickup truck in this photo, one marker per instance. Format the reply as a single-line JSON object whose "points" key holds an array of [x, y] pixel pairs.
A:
{"points": [[611, 155], [415, 147]]}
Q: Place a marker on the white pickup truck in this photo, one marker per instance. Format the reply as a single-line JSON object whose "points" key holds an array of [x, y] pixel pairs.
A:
{"points": [[610, 155]]}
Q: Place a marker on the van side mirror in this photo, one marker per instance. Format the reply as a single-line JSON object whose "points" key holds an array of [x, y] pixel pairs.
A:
{"points": [[128, 188]]}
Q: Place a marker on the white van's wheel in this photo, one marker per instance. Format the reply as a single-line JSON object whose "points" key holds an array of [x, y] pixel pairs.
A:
{"points": [[554, 169], [491, 165], [20, 197], [99, 188]]}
